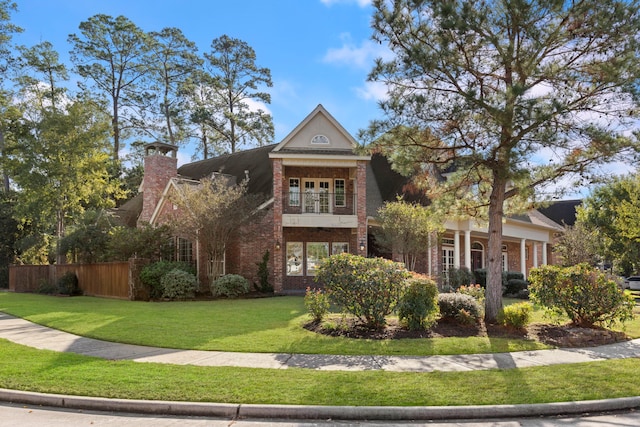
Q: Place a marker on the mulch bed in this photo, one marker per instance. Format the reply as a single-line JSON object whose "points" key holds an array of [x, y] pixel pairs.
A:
{"points": [[556, 335]]}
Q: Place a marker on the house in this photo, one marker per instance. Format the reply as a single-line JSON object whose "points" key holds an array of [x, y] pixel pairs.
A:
{"points": [[322, 199]]}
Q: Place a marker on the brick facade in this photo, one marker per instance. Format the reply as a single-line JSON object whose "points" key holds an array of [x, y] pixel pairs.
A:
{"points": [[158, 171]]}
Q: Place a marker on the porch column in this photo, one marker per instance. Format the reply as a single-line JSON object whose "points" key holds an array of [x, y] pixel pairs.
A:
{"points": [[467, 249], [456, 249], [361, 206], [278, 241], [523, 259], [544, 253], [535, 253]]}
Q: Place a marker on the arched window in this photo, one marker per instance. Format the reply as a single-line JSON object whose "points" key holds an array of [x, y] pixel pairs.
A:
{"points": [[477, 256]]}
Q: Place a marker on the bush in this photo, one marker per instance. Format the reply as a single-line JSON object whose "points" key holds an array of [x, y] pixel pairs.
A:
{"points": [[581, 292], [457, 277], [476, 291], [459, 308], [317, 302], [418, 305], [152, 274], [230, 286], [68, 284], [515, 287], [516, 315], [46, 287], [263, 274], [481, 277], [178, 284], [368, 288]]}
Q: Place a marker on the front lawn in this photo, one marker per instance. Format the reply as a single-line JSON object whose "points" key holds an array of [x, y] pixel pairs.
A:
{"points": [[245, 325], [270, 325]]}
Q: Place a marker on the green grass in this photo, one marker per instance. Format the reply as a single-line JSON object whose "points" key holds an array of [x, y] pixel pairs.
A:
{"points": [[274, 325], [251, 325], [23, 368]]}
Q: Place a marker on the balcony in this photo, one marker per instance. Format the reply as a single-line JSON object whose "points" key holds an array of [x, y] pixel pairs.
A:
{"points": [[319, 209]]}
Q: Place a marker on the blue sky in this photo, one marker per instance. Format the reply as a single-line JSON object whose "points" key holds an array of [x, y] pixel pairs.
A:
{"points": [[318, 51]]}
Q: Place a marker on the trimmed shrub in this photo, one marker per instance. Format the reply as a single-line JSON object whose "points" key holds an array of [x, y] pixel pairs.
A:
{"points": [[263, 275], [152, 274], [418, 305], [459, 308], [475, 291], [178, 285], [481, 277], [581, 292], [516, 315], [68, 284], [368, 288], [230, 286], [459, 277], [46, 287], [515, 287], [317, 302]]}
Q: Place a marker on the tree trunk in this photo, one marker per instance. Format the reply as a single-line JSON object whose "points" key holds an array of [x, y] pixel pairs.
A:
{"points": [[493, 297]]}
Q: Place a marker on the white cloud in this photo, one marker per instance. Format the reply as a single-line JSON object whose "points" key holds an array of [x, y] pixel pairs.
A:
{"points": [[376, 91], [257, 105], [361, 3], [361, 56]]}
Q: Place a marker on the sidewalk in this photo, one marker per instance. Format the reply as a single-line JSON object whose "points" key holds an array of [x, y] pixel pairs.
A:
{"points": [[26, 333]]}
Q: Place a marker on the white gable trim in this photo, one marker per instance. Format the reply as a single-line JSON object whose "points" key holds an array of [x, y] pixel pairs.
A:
{"points": [[318, 110]]}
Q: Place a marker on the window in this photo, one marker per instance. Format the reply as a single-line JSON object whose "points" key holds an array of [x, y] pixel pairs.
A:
{"points": [[185, 251], [447, 260], [294, 192], [339, 186], [339, 248], [320, 139], [447, 241], [294, 258], [316, 253]]}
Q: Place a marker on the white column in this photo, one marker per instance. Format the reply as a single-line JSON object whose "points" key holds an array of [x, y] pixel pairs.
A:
{"points": [[534, 247], [544, 253], [456, 249], [467, 249], [523, 259]]}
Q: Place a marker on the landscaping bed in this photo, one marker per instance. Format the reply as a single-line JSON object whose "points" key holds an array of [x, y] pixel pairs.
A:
{"points": [[567, 336]]}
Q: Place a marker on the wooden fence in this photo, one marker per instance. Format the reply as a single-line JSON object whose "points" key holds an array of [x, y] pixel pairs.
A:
{"points": [[109, 279]]}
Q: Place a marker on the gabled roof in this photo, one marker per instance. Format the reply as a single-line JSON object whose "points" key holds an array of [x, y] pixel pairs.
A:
{"points": [[254, 162], [562, 212]]}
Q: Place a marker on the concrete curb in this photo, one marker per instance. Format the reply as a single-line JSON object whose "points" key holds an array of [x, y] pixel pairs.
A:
{"points": [[310, 412]]}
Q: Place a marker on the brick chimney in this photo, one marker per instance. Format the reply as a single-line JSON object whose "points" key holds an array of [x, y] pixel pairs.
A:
{"points": [[160, 165]]}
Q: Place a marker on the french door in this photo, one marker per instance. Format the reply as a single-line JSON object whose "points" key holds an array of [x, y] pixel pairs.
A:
{"points": [[316, 196]]}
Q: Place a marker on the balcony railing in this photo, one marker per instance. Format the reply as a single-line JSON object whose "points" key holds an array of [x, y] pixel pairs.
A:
{"points": [[319, 203]]}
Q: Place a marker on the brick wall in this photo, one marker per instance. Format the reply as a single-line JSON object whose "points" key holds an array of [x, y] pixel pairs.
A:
{"points": [[158, 170]]}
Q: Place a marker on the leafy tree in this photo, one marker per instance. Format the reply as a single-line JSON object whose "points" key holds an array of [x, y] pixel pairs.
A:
{"points": [[578, 244], [62, 167], [41, 76], [610, 213], [112, 53], [511, 95], [9, 234], [212, 212], [233, 81], [407, 229], [7, 30], [173, 61], [89, 237], [153, 243]]}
